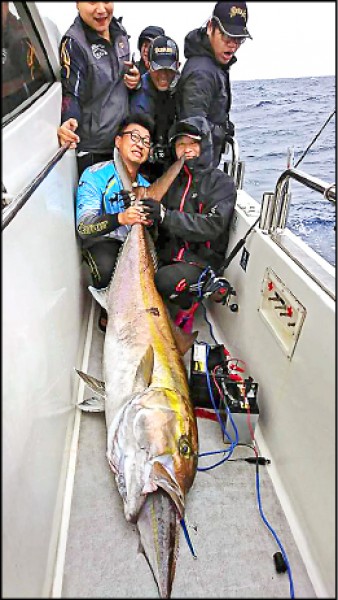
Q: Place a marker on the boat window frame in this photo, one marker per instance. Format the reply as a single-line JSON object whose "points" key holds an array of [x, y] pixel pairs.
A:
{"points": [[25, 15]]}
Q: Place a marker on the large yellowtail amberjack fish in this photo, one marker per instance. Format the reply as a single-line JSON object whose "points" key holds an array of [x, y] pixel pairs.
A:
{"points": [[152, 442]]}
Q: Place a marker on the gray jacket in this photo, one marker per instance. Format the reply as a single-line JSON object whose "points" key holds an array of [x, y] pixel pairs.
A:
{"points": [[94, 92]]}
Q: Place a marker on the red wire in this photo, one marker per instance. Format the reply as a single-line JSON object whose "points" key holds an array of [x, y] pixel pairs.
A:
{"points": [[187, 187]]}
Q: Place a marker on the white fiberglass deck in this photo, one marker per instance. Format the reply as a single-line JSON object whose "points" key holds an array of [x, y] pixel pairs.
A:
{"points": [[233, 546]]}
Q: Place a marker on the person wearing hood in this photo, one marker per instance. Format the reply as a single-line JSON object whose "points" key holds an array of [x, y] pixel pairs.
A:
{"points": [[146, 36], [194, 216], [204, 85]]}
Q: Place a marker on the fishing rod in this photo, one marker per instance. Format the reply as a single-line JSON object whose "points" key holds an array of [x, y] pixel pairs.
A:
{"points": [[215, 282], [242, 241], [314, 139]]}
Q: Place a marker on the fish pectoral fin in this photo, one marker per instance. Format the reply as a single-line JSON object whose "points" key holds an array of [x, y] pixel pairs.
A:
{"points": [[94, 404], [144, 370], [164, 480], [95, 384], [99, 295]]}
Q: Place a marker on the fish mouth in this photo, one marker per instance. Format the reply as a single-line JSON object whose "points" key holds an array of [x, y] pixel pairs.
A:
{"points": [[158, 524], [163, 479]]}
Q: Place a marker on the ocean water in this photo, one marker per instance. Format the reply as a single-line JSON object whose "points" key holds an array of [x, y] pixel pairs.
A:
{"points": [[272, 115]]}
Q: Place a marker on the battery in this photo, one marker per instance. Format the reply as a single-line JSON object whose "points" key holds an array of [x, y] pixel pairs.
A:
{"points": [[199, 389], [240, 414], [233, 395]]}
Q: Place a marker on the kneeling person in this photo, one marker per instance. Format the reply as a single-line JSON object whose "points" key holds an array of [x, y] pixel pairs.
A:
{"points": [[103, 216], [194, 216]]}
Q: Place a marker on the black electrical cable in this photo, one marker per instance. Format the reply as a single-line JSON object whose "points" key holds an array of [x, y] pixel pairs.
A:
{"points": [[253, 460]]}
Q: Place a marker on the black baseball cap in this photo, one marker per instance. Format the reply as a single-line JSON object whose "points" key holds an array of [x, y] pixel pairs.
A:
{"points": [[232, 18], [149, 33], [163, 54]]}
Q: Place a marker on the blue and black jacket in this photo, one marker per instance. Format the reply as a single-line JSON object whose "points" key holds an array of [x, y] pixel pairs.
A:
{"points": [[98, 202]]}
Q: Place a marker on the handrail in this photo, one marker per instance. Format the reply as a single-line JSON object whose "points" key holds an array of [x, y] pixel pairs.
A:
{"points": [[281, 199], [234, 168], [13, 208]]}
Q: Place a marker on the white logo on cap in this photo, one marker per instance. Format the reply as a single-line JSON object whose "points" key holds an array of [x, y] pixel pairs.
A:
{"points": [[162, 50]]}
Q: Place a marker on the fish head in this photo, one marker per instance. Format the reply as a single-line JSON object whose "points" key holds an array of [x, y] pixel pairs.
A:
{"points": [[154, 445]]}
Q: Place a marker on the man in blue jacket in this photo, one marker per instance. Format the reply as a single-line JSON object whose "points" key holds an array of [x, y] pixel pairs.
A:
{"points": [[204, 85], [96, 74], [103, 211]]}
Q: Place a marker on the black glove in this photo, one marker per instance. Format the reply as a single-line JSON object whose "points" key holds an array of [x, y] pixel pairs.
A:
{"points": [[154, 211]]}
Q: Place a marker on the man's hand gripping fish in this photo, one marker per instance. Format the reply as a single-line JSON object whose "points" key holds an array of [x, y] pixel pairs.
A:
{"points": [[152, 441]]}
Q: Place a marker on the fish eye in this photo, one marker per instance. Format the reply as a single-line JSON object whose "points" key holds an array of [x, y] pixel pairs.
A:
{"points": [[184, 447]]}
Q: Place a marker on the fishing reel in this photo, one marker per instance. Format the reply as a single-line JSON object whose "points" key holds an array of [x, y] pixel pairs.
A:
{"points": [[216, 288]]}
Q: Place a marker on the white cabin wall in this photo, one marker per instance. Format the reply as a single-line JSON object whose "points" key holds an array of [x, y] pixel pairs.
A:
{"points": [[296, 397], [44, 316]]}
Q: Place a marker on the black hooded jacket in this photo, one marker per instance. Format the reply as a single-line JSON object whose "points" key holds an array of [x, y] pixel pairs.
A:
{"points": [[204, 88], [200, 204]]}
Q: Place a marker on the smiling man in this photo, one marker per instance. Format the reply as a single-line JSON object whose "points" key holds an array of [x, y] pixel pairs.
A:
{"points": [[147, 35], [204, 85], [96, 76], [194, 218], [103, 211]]}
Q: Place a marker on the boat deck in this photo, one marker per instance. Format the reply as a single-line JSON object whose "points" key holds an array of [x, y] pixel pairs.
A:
{"points": [[233, 546]]}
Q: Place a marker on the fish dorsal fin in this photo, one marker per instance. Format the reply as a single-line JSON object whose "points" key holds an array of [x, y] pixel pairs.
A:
{"points": [[99, 295], [95, 384], [157, 189], [160, 187], [144, 371]]}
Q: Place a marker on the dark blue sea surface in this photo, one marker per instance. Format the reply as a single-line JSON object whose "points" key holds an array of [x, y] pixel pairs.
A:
{"points": [[272, 115]]}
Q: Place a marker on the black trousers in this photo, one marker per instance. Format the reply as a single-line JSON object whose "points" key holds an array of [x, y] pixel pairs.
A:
{"points": [[101, 258], [173, 281]]}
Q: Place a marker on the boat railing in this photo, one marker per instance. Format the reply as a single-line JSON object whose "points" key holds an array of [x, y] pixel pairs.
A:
{"points": [[12, 204], [275, 206], [234, 167], [273, 220]]}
